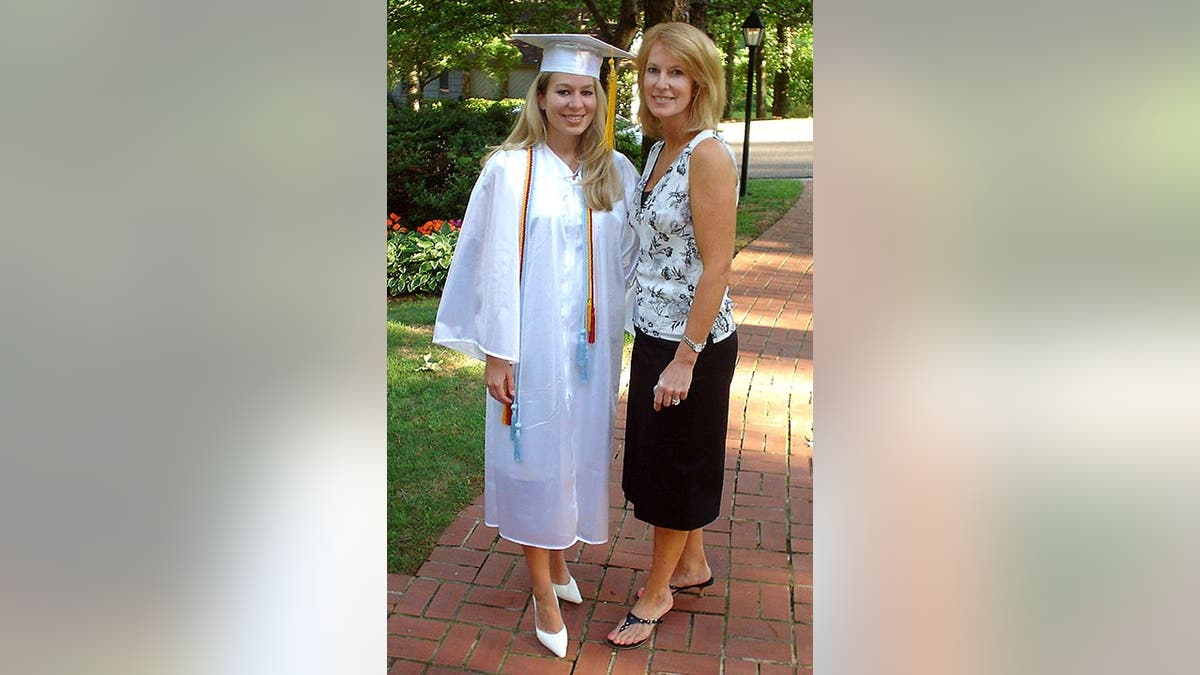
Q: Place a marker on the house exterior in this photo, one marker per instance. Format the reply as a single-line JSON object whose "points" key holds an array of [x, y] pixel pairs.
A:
{"points": [[478, 84]]}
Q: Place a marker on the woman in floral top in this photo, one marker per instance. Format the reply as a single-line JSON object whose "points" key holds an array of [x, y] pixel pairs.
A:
{"points": [[686, 345]]}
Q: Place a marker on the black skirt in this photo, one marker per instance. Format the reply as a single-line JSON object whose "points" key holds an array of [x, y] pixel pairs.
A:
{"points": [[675, 458]]}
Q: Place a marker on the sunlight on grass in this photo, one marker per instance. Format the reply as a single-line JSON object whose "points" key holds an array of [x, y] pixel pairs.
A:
{"points": [[435, 433], [766, 200]]}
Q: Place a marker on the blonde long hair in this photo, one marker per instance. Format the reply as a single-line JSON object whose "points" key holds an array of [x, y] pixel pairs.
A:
{"points": [[601, 182], [702, 61]]}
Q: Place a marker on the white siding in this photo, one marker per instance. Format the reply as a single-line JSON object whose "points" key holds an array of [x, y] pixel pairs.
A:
{"points": [[519, 82], [453, 86], [483, 86]]}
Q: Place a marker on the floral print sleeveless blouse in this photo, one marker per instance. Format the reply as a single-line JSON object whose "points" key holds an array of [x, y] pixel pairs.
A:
{"points": [[668, 264]]}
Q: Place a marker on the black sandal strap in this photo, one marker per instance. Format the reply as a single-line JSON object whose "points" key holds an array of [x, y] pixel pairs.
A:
{"points": [[631, 619]]}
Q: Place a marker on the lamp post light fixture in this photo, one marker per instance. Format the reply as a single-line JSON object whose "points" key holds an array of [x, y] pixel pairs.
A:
{"points": [[752, 33]]}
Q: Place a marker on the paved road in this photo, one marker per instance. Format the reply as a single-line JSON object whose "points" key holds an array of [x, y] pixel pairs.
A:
{"points": [[778, 148]]}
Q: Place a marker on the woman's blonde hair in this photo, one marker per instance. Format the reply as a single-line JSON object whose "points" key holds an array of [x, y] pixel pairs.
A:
{"points": [[602, 185], [701, 60]]}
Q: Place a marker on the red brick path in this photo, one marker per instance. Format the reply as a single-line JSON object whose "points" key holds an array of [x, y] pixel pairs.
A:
{"points": [[468, 607]]}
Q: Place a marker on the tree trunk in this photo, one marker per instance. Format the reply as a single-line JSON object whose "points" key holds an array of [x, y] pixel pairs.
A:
{"points": [[698, 14], [660, 11], [627, 24], [730, 54], [779, 105], [619, 33], [415, 91], [656, 12], [783, 77]]}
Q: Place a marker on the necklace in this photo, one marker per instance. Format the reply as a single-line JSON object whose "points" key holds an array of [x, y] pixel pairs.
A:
{"points": [[569, 163], [576, 170]]}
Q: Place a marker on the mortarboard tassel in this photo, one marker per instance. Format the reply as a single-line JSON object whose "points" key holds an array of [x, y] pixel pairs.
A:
{"points": [[610, 123]]}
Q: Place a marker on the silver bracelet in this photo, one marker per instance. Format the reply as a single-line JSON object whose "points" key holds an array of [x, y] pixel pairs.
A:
{"points": [[691, 343]]}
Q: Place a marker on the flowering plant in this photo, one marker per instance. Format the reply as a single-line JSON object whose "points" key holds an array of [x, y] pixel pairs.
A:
{"points": [[419, 260], [432, 226], [429, 227], [393, 225]]}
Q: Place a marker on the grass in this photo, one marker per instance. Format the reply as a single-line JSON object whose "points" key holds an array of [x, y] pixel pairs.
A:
{"points": [[435, 433], [766, 200], [436, 416]]}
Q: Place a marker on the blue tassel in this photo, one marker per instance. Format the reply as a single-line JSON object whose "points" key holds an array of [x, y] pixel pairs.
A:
{"points": [[514, 432], [582, 355]]}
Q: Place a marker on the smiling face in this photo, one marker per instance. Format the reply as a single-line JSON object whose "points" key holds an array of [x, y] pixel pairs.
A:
{"points": [[569, 103], [667, 88]]}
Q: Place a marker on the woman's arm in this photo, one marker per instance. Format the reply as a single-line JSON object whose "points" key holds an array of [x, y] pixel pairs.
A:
{"points": [[712, 190]]}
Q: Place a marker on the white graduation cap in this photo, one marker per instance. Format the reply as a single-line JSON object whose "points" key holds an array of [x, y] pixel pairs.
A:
{"points": [[572, 53]]}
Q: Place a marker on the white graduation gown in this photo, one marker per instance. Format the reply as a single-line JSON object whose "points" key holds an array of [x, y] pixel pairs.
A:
{"points": [[557, 493]]}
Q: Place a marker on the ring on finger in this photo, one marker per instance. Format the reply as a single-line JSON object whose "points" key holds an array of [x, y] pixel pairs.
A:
{"points": [[675, 401]]}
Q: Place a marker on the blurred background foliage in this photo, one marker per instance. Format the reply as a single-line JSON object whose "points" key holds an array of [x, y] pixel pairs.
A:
{"points": [[429, 37]]}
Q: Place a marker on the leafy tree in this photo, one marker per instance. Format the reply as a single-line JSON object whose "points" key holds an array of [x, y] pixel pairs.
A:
{"points": [[497, 57], [788, 56], [619, 33], [786, 53], [426, 37]]}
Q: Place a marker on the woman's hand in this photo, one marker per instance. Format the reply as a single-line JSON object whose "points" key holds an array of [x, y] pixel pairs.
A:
{"points": [[498, 374], [674, 381]]}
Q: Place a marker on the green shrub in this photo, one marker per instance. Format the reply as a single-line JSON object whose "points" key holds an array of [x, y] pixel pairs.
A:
{"points": [[418, 262], [800, 86], [433, 155], [433, 160], [626, 142]]}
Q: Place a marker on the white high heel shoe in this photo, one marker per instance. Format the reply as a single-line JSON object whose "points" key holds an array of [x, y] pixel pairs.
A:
{"points": [[568, 591], [555, 642]]}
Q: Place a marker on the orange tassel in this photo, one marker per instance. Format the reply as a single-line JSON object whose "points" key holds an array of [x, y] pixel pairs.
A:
{"points": [[591, 302]]}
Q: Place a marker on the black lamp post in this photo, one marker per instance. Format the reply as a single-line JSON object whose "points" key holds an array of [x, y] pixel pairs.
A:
{"points": [[752, 33]]}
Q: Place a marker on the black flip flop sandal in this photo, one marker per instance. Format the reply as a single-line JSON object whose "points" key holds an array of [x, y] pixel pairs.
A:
{"points": [[630, 620], [698, 588], [675, 590]]}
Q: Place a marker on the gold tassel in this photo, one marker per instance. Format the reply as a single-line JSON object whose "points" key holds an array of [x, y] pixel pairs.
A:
{"points": [[610, 124]]}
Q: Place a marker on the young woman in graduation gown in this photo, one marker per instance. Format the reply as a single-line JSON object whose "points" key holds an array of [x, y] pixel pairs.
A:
{"points": [[537, 290]]}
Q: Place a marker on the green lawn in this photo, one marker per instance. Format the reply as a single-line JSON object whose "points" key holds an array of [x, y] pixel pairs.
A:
{"points": [[435, 433], [766, 200], [435, 412]]}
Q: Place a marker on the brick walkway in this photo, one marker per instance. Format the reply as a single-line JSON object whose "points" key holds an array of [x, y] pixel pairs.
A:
{"points": [[469, 610]]}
